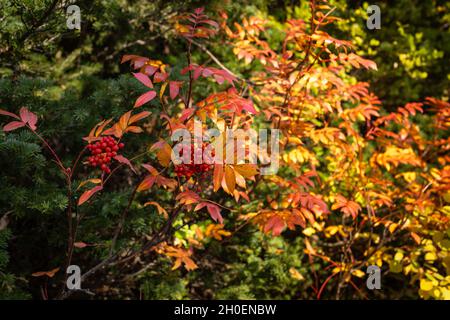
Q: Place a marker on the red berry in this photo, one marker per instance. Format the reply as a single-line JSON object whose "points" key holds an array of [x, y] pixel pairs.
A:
{"points": [[121, 145]]}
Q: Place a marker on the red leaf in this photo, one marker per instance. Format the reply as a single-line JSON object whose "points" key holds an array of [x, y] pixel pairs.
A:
{"points": [[174, 88], [150, 169], [136, 61], [186, 69], [80, 245], [249, 107], [24, 114], [276, 224], [146, 97], [186, 114], [219, 79], [197, 72], [214, 211], [128, 57], [207, 72], [144, 79], [139, 116], [211, 23], [13, 126], [219, 75], [147, 183], [124, 160], [10, 114], [87, 194], [166, 182], [150, 70], [158, 145], [32, 120], [28, 117], [160, 77], [199, 10], [200, 206]]}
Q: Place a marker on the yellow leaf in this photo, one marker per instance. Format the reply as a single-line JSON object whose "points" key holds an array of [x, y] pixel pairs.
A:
{"points": [[240, 181], [426, 285], [309, 231], [447, 197], [164, 155], [95, 181], [163, 88], [358, 273], [295, 274], [430, 256], [398, 256], [392, 227], [445, 294], [331, 230], [230, 179], [395, 267], [216, 231], [246, 170]]}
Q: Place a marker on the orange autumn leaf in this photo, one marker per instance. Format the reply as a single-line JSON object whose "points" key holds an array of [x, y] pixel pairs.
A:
{"points": [[88, 194], [217, 176], [346, 206], [216, 231], [230, 179], [163, 153], [160, 209], [49, 274], [182, 257], [188, 197]]}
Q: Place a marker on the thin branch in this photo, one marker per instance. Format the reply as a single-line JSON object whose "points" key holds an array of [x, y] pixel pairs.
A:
{"points": [[39, 22], [122, 220]]}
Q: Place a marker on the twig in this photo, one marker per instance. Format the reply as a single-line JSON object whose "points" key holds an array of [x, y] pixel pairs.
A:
{"points": [[122, 220]]}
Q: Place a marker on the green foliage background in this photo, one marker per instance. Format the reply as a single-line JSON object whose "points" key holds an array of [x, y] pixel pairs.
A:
{"points": [[72, 79]]}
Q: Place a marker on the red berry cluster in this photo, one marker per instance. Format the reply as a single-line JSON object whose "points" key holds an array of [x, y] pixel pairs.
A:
{"points": [[102, 152], [189, 169]]}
